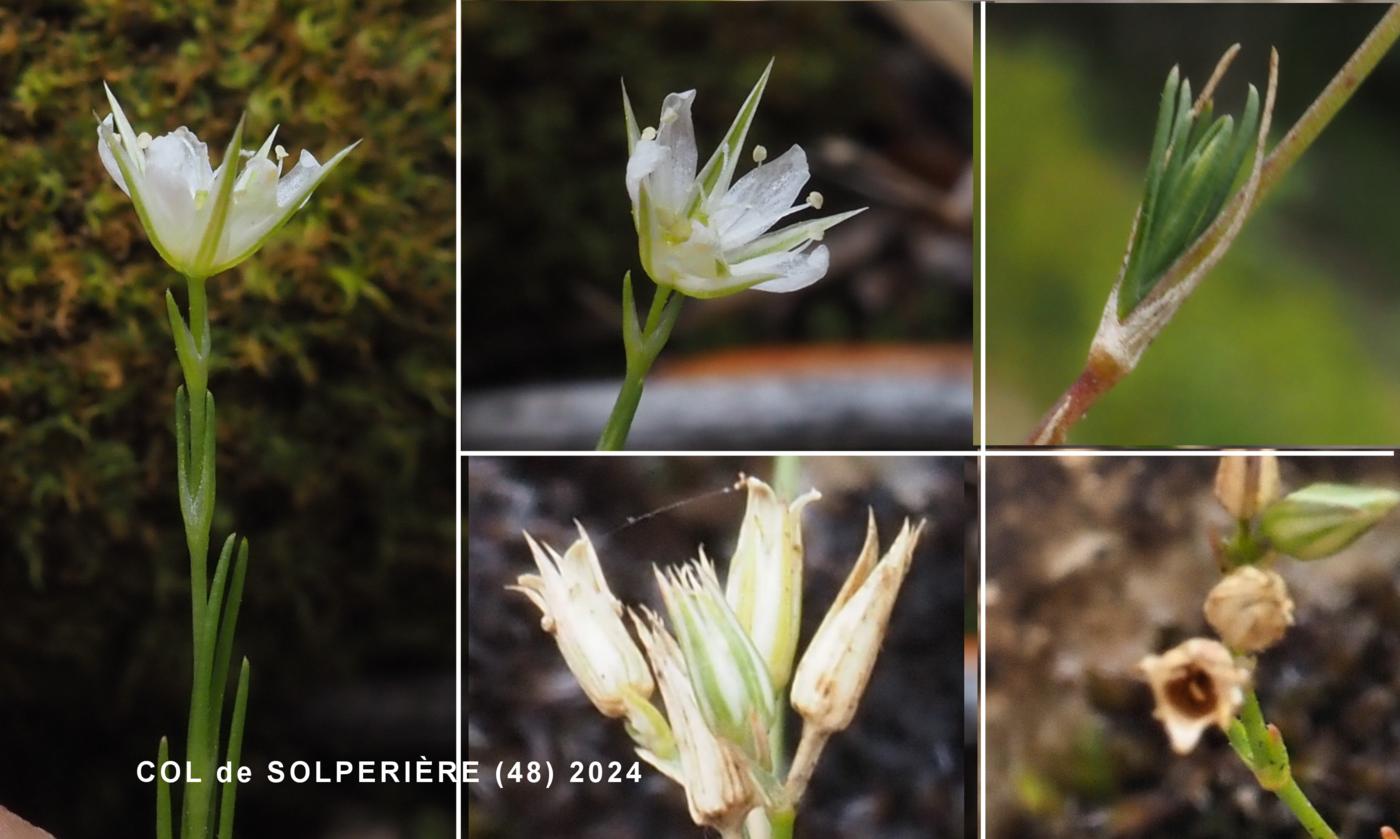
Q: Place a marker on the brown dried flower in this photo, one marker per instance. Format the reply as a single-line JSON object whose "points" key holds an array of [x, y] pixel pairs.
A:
{"points": [[1196, 684]]}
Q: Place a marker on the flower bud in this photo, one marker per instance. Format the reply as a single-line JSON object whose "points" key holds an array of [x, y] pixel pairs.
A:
{"points": [[732, 688], [1250, 609], [833, 672], [1322, 519], [585, 619], [1246, 484], [765, 577], [1196, 684], [718, 787]]}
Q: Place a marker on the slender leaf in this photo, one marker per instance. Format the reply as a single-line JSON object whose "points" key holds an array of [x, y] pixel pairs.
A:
{"points": [[234, 754]]}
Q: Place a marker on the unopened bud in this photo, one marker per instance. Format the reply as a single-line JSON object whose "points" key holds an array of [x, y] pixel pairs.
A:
{"points": [[834, 670], [1322, 519], [1250, 609], [1246, 484], [1196, 684], [730, 677], [764, 586]]}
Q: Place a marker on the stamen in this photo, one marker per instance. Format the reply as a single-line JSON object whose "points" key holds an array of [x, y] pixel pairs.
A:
{"points": [[760, 154], [280, 152], [668, 116], [143, 141], [648, 133], [815, 199]]}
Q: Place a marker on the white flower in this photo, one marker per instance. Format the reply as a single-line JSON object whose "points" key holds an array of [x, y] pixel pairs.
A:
{"points": [[706, 237], [580, 611], [201, 220]]}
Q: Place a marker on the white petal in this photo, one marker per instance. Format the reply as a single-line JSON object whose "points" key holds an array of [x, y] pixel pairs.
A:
{"points": [[645, 158], [258, 209], [674, 178], [295, 188], [253, 210], [759, 199], [789, 271], [179, 159]]}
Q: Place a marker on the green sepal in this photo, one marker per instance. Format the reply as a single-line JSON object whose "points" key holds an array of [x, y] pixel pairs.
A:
{"points": [[790, 236], [630, 118], [223, 197], [718, 171], [1194, 165]]}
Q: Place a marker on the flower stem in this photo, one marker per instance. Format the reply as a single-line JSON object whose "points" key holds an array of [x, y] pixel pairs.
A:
{"points": [[643, 345], [624, 409], [1302, 808], [781, 823], [214, 608], [1099, 376], [1263, 751], [1090, 386]]}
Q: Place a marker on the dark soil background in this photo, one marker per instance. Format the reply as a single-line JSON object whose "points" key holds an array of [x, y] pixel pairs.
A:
{"points": [[897, 772], [1093, 563]]}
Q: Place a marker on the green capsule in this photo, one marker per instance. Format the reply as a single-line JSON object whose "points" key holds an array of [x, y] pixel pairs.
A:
{"points": [[1322, 519]]}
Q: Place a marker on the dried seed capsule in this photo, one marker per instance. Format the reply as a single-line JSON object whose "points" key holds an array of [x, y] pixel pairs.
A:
{"points": [[1250, 609], [1246, 484]]}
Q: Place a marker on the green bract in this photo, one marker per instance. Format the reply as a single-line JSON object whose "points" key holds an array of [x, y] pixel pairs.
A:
{"points": [[1193, 166], [1322, 519]]}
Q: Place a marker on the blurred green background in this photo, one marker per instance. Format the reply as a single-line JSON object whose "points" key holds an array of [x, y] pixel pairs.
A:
{"points": [[883, 111], [1292, 339], [334, 374]]}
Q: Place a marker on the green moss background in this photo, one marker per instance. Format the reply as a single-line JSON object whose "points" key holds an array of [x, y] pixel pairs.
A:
{"points": [[1292, 339], [334, 374]]}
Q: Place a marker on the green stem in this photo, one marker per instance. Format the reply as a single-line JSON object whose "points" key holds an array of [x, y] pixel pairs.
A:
{"points": [[1306, 813], [197, 378], [781, 823], [642, 345], [787, 472], [624, 409], [1268, 759], [1330, 101]]}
